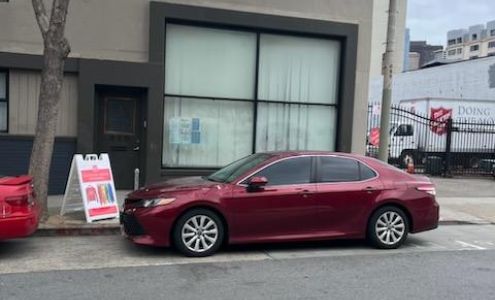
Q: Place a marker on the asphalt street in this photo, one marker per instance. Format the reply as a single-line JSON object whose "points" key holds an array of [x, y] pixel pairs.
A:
{"points": [[452, 262]]}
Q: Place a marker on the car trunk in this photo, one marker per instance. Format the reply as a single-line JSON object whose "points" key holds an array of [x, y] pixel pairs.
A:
{"points": [[16, 195]]}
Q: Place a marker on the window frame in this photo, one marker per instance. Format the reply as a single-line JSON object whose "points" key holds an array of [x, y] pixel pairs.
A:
{"points": [[312, 171], [471, 48], [491, 44], [359, 162], [336, 105], [105, 117], [6, 99]]}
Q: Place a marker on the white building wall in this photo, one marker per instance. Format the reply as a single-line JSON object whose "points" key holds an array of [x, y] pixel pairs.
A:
{"points": [[473, 79]]}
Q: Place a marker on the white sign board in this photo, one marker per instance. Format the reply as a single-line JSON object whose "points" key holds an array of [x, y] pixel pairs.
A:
{"points": [[91, 180], [185, 131]]}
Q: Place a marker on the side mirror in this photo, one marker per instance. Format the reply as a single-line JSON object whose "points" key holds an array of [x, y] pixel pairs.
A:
{"points": [[257, 183]]}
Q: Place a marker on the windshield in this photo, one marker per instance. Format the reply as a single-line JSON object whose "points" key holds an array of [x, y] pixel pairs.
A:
{"points": [[237, 168]]}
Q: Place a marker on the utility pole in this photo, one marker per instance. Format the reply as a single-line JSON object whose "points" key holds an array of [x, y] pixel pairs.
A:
{"points": [[387, 83]]}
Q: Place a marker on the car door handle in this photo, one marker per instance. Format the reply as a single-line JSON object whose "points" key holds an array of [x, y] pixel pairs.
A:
{"points": [[370, 189], [305, 193]]}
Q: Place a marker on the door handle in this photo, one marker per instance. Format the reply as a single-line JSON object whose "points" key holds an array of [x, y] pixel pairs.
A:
{"points": [[136, 148], [305, 193], [370, 189]]}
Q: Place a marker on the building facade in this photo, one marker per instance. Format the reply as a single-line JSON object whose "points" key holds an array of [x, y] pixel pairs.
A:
{"points": [[179, 88], [477, 41]]}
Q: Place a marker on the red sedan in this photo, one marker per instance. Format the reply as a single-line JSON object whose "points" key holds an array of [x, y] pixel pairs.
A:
{"points": [[283, 196], [19, 213]]}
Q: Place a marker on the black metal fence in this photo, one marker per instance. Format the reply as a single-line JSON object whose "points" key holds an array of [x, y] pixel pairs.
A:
{"points": [[436, 144]]}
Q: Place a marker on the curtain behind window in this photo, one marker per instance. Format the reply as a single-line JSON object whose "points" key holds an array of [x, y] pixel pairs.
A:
{"points": [[209, 62], [298, 69], [295, 127]]}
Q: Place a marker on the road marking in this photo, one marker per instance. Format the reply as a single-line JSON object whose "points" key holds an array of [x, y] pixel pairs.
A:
{"points": [[470, 245]]}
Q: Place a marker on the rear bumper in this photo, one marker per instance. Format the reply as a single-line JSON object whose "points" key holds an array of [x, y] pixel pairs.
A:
{"points": [[426, 218], [19, 226]]}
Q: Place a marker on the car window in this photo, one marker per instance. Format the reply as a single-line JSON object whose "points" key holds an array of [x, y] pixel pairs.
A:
{"points": [[288, 171], [230, 172], [337, 169], [366, 172]]}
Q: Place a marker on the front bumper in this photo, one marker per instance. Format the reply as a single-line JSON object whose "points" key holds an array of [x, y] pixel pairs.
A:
{"points": [[146, 226]]}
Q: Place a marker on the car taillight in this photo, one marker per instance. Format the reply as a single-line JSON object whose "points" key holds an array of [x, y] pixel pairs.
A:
{"points": [[427, 189], [17, 200]]}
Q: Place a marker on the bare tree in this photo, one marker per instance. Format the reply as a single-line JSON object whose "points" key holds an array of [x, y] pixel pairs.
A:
{"points": [[55, 50]]}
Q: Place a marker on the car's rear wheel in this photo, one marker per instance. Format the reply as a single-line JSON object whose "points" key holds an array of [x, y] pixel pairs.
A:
{"points": [[199, 232], [388, 227]]}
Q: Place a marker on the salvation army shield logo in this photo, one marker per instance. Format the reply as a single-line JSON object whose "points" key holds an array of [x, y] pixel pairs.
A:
{"points": [[438, 119]]}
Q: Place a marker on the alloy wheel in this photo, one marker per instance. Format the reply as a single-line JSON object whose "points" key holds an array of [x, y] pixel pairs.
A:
{"points": [[390, 228], [199, 233]]}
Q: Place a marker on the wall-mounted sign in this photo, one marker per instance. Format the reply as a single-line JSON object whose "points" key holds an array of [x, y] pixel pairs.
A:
{"points": [[185, 131], [91, 180]]}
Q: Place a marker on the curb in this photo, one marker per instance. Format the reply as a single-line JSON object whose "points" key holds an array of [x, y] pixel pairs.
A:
{"points": [[78, 230], [464, 222], [114, 229]]}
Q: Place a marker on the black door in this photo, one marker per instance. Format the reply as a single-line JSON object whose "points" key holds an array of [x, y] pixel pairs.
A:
{"points": [[120, 131]]}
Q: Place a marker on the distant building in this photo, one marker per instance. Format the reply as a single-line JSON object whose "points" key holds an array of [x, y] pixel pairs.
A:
{"points": [[476, 41], [426, 52]]}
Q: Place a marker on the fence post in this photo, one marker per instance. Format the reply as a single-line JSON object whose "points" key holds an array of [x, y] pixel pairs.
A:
{"points": [[448, 144]]}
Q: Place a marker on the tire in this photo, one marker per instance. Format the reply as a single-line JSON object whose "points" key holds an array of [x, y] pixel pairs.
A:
{"points": [[387, 235], [198, 233]]}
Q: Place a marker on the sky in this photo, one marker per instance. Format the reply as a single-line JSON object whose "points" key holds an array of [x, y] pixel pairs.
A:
{"points": [[431, 19]]}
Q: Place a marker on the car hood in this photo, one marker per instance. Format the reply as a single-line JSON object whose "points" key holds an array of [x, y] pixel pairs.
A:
{"points": [[184, 184]]}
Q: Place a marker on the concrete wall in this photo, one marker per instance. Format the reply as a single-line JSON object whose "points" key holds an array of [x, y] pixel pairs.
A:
{"points": [[119, 30], [24, 89]]}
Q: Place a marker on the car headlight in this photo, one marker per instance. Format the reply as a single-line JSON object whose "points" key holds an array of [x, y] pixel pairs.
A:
{"points": [[156, 202]]}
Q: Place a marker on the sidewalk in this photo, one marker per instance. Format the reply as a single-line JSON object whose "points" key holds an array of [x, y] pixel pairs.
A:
{"points": [[462, 201], [74, 222], [466, 200]]}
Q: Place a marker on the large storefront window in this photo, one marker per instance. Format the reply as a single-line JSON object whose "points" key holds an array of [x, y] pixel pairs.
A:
{"points": [[216, 112], [3, 102]]}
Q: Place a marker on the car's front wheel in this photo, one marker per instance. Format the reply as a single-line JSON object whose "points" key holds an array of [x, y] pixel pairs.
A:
{"points": [[199, 232], [388, 227]]}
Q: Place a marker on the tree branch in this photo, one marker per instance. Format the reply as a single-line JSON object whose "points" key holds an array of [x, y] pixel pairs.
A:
{"points": [[41, 16]]}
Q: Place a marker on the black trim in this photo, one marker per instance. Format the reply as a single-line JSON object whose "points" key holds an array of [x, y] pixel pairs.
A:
{"points": [[34, 62], [209, 98], [6, 99], [163, 13], [314, 169], [255, 104]]}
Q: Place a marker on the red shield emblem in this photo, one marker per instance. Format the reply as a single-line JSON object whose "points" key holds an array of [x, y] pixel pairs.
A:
{"points": [[438, 119]]}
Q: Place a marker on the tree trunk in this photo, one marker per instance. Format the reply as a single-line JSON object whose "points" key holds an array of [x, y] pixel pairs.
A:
{"points": [[56, 49]]}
